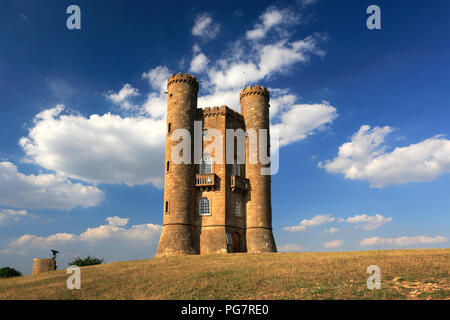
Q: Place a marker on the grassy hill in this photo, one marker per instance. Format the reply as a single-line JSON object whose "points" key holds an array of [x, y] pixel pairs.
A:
{"points": [[405, 274]]}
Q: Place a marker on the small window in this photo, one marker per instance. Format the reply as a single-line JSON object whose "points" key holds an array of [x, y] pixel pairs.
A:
{"points": [[206, 165], [204, 207], [237, 208], [170, 95], [236, 170], [168, 166], [166, 207], [169, 128]]}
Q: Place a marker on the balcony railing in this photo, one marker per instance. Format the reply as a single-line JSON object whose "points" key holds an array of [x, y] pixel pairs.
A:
{"points": [[205, 180], [239, 184]]}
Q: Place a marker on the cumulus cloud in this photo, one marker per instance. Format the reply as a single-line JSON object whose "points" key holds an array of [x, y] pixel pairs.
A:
{"points": [[333, 243], [97, 149], [368, 222], [113, 241], [112, 232], [157, 78], [156, 103], [204, 27], [402, 241], [290, 248], [41, 191], [248, 63], [260, 61], [11, 215], [365, 157], [331, 230], [270, 19], [199, 63], [302, 120], [115, 230], [122, 97], [306, 223], [307, 2]]}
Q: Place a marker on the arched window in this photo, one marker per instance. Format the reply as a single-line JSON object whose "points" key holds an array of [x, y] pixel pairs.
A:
{"points": [[168, 166], [237, 208], [206, 165], [204, 207], [169, 128], [236, 169]]}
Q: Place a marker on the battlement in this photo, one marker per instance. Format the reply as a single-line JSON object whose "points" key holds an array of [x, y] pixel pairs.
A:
{"points": [[215, 111], [182, 78], [220, 111], [255, 90]]}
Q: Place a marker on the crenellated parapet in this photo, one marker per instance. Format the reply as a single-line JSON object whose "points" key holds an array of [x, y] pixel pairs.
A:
{"points": [[255, 90], [182, 78], [220, 111], [215, 111]]}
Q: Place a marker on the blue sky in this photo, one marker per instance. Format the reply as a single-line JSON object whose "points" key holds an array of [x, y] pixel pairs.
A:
{"points": [[363, 115]]}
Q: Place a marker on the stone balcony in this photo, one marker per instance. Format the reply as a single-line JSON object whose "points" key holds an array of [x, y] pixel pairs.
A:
{"points": [[239, 184], [205, 181]]}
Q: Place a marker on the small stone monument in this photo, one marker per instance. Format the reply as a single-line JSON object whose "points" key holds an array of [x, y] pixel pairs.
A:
{"points": [[43, 265]]}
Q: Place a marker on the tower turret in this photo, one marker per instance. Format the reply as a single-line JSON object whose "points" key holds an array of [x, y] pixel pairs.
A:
{"points": [[176, 236], [255, 109]]}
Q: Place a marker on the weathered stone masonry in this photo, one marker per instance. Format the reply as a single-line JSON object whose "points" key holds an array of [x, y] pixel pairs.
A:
{"points": [[237, 196]]}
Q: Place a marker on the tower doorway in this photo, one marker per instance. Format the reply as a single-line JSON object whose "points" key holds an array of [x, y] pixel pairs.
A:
{"points": [[236, 242]]}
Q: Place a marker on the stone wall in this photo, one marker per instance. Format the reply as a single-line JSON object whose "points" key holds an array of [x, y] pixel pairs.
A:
{"points": [[43, 265]]}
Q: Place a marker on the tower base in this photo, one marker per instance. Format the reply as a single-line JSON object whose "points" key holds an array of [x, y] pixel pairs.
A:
{"points": [[176, 239], [260, 240]]}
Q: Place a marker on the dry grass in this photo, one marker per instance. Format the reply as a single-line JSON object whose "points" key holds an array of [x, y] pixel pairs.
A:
{"points": [[405, 274]]}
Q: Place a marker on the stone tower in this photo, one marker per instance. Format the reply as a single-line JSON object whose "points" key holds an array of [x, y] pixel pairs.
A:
{"points": [[255, 109], [176, 236], [213, 206]]}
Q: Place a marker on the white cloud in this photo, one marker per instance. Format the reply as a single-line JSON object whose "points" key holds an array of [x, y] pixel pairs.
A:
{"points": [[157, 78], [11, 215], [297, 228], [402, 241], [60, 89], [115, 230], [44, 191], [290, 248], [368, 222], [300, 121], [307, 2], [205, 27], [254, 63], [270, 19], [331, 230], [199, 63], [122, 97], [306, 223], [99, 149], [365, 158], [333, 244], [156, 104]]}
